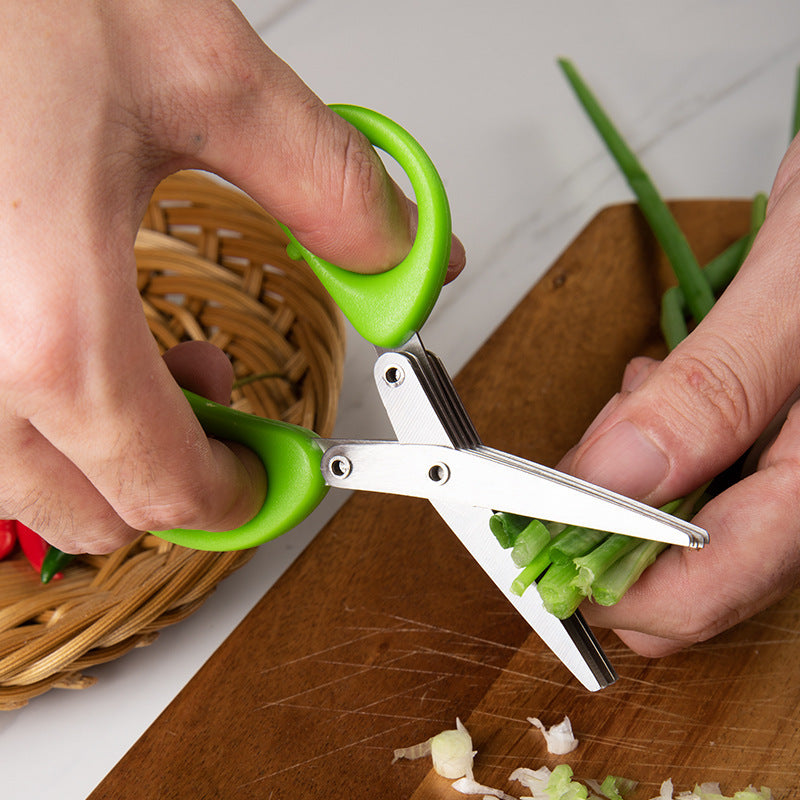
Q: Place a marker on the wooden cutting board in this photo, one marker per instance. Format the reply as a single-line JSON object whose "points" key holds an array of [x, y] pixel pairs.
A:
{"points": [[385, 630]]}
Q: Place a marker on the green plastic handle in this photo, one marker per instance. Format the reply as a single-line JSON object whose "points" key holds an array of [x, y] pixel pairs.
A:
{"points": [[292, 460], [387, 308]]}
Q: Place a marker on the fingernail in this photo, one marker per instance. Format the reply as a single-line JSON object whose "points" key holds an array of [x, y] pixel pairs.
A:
{"points": [[624, 460], [603, 413]]}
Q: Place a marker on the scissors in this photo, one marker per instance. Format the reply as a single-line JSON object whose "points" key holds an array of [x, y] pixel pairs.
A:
{"points": [[438, 454]]}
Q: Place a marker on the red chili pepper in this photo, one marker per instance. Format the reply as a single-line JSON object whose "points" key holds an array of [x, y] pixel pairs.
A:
{"points": [[34, 547], [8, 536]]}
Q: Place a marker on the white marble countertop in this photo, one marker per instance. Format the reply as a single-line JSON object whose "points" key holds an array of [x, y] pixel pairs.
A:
{"points": [[703, 91]]}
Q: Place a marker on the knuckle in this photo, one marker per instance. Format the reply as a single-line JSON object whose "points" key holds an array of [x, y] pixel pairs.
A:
{"points": [[695, 616], [344, 163], [714, 396], [187, 507], [363, 182]]}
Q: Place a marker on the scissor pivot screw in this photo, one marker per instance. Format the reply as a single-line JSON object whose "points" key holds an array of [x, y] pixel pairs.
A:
{"points": [[341, 466], [393, 375], [439, 473]]}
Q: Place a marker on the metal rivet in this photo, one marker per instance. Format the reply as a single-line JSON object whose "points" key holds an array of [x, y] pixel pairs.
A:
{"points": [[439, 473], [341, 466], [393, 375]]}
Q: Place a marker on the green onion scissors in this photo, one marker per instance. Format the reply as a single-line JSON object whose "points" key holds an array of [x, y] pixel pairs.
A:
{"points": [[438, 453]]}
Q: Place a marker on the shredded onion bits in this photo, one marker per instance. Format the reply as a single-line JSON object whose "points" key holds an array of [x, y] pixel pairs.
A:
{"points": [[559, 737], [451, 752], [452, 755]]}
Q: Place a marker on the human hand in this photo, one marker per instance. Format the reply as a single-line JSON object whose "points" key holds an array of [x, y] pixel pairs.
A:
{"points": [[677, 424], [100, 102]]}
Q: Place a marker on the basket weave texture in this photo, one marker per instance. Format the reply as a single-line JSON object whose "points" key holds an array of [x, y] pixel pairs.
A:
{"points": [[211, 266]]}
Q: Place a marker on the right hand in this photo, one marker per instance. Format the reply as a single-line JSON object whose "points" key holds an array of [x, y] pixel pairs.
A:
{"points": [[100, 102], [678, 423]]}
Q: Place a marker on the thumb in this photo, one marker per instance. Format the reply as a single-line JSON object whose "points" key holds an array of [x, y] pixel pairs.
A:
{"points": [[689, 417], [237, 109]]}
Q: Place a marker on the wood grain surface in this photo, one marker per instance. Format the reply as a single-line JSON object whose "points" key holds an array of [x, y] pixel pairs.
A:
{"points": [[385, 630]]}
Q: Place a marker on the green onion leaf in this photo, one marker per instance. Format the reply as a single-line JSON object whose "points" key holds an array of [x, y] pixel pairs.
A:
{"points": [[673, 242]]}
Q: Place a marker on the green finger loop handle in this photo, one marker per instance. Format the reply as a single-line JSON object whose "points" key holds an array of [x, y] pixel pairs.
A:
{"points": [[387, 308], [291, 459]]}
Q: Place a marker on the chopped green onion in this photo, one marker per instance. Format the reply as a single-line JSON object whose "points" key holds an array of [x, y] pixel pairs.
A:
{"points": [[695, 287], [614, 787], [452, 753], [563, 787], [796, 111]]}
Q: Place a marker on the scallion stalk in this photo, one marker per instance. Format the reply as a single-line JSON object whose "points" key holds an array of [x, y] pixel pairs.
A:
{"points": [[591, 566], [758, 213], [695, 287], [578, 562], [575, 541], [673, 320], [560, 595], [531, 573], [507, 527], [609, 588], [530, 542], [719, 272]]}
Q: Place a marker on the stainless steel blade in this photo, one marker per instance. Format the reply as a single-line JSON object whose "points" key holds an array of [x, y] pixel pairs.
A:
{"points": [[490, 479], [571, 639], [424, 407]]}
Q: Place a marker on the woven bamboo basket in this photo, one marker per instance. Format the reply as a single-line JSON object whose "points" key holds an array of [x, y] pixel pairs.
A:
{"points": [[211, 266]]}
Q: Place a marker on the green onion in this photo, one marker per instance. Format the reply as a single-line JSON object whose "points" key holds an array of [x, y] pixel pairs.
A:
{"points": [[575, 541], [609, 588], [580, 562], [719, 272], [562, 786], [532, 572], [758, 213], [695, 287], [560, 595], [796, 112], [595, 563], [673, 320], [614, 787], [530, 542], [507, 527]]}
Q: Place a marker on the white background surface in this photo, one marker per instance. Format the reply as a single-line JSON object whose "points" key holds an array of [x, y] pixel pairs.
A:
{"points": [[701, 89]]}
